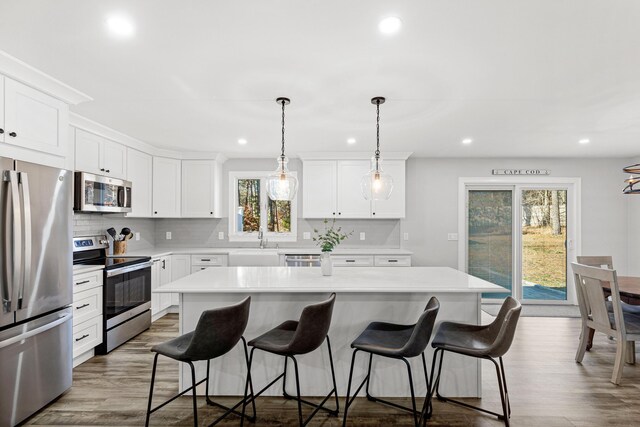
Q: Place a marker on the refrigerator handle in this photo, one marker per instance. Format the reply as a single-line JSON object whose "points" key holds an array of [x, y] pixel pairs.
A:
{"points": [[36, 331], [26, 235], [16, 243]]}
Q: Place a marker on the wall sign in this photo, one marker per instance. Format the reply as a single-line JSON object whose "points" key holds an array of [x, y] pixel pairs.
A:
{"points": [[520, 171]]}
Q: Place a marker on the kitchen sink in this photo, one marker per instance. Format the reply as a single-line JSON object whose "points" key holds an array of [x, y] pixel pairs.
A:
{"points": [[254, 257]]}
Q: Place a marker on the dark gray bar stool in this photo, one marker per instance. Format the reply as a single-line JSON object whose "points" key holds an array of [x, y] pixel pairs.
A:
{"points": [[484, 342], [395, 342], [293, 338], [216, 333]]}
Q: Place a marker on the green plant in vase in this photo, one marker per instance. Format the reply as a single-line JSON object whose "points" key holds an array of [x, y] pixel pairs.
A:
{"points": [[330, 237]]}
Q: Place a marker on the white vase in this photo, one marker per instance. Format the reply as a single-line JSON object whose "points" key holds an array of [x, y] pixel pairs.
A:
{"points": [[325, 264]]}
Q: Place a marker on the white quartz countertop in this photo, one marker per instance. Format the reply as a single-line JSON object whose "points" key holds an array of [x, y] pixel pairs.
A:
{"points": [[344, 279], [80, 269], [163, 251]]}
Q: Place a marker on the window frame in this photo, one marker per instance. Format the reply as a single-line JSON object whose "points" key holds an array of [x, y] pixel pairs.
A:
{"points": [[252, 236]]}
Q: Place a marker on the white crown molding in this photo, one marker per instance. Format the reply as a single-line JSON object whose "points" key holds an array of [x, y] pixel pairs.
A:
{"points": [[80, 122], [16, 69], [352, 155]]}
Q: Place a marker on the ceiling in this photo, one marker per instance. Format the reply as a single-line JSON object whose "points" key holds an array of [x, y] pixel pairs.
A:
{"points": [[521, 78]]}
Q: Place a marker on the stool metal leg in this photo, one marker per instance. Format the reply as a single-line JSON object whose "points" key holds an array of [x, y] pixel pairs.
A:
{"points": [[333, 377], [153, 379], [195, 401], [348, 402], [504, 382]]}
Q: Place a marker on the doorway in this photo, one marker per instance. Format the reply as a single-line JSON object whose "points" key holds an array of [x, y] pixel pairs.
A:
{"points": [[522, 237]]}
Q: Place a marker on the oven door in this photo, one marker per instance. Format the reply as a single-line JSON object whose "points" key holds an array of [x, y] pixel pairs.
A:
{"points": [[127, 293], [95, 193]]}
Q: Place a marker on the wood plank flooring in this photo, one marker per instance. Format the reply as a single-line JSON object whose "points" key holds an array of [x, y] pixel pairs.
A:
{"points": [[547, 388]]}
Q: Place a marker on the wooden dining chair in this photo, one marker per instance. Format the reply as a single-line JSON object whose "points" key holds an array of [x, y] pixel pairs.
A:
{"points": [[596, 261], [624, 327]]}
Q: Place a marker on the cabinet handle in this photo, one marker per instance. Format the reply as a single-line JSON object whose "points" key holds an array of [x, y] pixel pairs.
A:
{"points": [[13, 134], [107, 171], [82, 337], [374, 213], [101, 169], [163, 264], [205, 259], [333, 213], [210, 213], [392, 260], [83, 282], [82, 306], [339, 213], [1, 131], [155, 213], [350, 260]]}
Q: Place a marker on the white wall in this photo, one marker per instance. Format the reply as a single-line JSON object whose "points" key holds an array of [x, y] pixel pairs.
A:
{"points": [[633, 228], [432, 204]]}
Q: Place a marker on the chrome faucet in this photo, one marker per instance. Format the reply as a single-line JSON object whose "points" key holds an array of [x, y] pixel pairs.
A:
{"points": [[263, 240]]}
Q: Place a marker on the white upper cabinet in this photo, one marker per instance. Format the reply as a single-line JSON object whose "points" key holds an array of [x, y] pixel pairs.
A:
{"points": [[166, 187], [351, 202], [140, 173], [332, 188], [319, 189], [395, 206], [200, 189], [34, 120], [2, 127], [99, 155]]}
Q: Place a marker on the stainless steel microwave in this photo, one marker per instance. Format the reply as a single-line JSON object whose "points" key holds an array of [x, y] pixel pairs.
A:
{"points": [[96, 193]]}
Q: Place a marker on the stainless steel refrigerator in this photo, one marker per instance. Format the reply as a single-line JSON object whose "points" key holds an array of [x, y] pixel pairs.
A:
{"points": [[36, 349]]}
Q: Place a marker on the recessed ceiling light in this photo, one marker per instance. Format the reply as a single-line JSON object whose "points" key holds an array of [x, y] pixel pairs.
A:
{"points": [[351, 141], [120, 26], [242, 141], [390, 25], [467, 141], [584, 141]]}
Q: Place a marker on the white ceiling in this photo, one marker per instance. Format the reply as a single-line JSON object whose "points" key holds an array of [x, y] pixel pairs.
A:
{"points": [[520, 77]]}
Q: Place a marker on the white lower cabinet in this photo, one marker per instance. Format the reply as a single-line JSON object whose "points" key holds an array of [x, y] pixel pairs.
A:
{"points": [[180, 267], [392, 261], [352, 260], [87, 315], [160, 275]]}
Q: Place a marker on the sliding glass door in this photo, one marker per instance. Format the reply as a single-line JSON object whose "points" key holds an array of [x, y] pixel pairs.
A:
{"points": [[516, 237]]}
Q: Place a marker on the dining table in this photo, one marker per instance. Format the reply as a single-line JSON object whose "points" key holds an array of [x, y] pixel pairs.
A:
{"points": [[629, 287]]}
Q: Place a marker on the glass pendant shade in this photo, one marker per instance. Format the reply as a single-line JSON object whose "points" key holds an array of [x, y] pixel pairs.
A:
{"points": [[376, 184], [281, 184]]}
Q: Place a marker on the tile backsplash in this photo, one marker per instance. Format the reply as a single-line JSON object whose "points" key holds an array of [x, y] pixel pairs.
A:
{"points": [[194, 232]]}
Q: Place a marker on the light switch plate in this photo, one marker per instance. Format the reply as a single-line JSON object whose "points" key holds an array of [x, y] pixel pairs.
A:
{"points": [[137, 234], [362, 235], [406, 236], [306, 235], [452, 236], [220, 235], [168, 235]]}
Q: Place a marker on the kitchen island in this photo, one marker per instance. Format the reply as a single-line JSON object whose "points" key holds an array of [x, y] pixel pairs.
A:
{"points": [[397, 295]]}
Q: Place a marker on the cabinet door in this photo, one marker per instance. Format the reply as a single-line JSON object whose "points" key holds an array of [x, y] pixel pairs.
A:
{"points": [[114, 159], [198, 188], [180, 267], [35, 120], [351, 202], [166, 187], [140, 173], [395, 206], [155, 283], [319, 189], [2, 128], [165, 277], [88, 150]]}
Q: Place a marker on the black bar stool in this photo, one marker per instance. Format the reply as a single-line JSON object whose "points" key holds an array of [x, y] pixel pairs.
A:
{"points": [[293, 338], [395, 342], [216, 333], [484, 342]]}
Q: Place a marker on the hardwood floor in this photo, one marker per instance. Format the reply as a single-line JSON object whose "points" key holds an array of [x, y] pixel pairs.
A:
{"points": [[546, 387]]}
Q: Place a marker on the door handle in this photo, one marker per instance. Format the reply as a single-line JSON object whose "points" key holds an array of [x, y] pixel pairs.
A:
{"points": [[16, 244], [35, 331], [26, 213]]}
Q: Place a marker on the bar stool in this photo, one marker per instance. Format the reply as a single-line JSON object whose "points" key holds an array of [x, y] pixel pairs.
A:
{"points": [[484, 342], [216, 333], [293, 338], [396, 342]]}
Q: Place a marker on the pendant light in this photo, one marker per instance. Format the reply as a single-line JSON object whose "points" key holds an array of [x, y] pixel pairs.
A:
{"points": [[632, 180], [281, 184], [377, 185]]}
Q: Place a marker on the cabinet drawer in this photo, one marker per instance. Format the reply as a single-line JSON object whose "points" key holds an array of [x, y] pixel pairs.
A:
{"points": [[87, 305], [352, 261], [196, 268], [87, 335], [392, 261], [82, 282], [210, 260]]}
